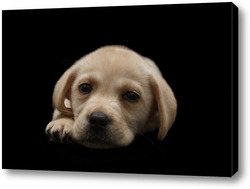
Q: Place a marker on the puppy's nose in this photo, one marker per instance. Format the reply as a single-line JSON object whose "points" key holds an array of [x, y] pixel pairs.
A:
{"points": [[99, 119]]}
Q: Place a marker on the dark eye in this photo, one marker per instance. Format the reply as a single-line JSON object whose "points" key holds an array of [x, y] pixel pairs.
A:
{"points": [[131, 96], [85, 88]]}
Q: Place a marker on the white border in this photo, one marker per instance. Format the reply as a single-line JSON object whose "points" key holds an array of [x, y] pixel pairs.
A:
{"points": [[61, 180]]}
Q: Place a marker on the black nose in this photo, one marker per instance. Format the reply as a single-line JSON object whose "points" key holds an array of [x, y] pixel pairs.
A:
{"points": [[98, 119]]}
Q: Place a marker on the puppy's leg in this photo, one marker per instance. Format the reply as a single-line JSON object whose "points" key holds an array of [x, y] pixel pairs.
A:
{"points": [[60, 128]]}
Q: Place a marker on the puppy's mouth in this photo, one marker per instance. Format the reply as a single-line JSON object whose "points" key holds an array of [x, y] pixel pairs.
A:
{"points": [[101, 132], [97, 139]]}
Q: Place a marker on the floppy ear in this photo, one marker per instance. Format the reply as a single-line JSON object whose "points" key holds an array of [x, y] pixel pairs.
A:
{"points": [[166, 103], [63, 90]]}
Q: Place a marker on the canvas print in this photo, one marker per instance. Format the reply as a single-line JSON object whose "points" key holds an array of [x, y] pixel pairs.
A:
{"points": [[149, 89]]}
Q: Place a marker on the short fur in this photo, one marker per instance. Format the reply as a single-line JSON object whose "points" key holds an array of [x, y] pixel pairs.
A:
{"points": [[111, 71]]}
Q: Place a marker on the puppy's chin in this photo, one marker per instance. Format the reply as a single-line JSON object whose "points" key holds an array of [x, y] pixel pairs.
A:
{"points": [[103, 139], [102, 144], [95, 144]]}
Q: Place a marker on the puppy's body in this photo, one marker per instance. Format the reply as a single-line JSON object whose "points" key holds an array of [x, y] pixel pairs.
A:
{"points": [[108, 97]]}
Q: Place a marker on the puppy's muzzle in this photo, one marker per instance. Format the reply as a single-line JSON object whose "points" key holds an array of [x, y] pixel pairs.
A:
{"points": [[98, 121]]}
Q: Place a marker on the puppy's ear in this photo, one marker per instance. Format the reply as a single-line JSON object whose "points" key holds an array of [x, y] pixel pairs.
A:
{"points": [[166, 103], [63, 90]]}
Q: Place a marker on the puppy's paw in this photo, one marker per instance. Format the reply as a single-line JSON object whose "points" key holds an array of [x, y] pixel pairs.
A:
{"points": [[60, 130]]}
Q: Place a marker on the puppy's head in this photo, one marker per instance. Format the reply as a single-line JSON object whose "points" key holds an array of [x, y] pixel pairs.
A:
{"points": [[114, 94]]}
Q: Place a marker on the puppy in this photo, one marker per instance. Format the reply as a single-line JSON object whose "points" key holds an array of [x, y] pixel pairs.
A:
{"points": [[109, 96]]}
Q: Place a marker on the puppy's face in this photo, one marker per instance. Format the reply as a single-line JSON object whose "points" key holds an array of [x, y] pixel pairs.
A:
{"points": [[111, 99], [114, 94]]}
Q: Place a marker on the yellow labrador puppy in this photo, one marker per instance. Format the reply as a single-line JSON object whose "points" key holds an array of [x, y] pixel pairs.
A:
{"points": [[109, 96]]}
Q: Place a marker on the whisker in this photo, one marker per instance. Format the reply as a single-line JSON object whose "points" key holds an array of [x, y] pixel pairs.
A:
{"points": [[145, 137]]}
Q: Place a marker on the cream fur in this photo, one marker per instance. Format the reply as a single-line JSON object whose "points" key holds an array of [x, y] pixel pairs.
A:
{"points": [[111, 71]]}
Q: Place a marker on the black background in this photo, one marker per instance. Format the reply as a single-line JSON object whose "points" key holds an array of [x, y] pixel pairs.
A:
{"points": [[191, 44]]}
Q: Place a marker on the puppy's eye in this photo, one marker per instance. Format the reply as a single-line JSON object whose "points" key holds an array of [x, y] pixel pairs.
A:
{"points": [[85, 88], [131, 96]]}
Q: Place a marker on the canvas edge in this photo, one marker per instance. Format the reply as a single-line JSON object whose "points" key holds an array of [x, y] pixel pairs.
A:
{"points": [[234, 90]]}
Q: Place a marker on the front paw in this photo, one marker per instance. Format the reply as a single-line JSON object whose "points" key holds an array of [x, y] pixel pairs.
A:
{"points": [[60, 130]]}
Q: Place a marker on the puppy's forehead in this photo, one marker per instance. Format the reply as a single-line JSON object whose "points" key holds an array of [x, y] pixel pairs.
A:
{"points": [[113, 61]]}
